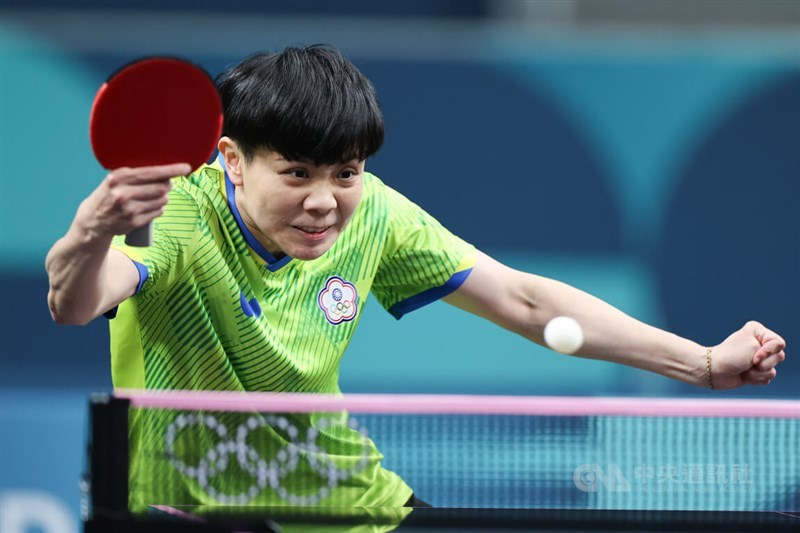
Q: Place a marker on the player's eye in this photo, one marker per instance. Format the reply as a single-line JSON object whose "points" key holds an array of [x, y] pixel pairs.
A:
{"points": [[298, 173], [348, 174]]}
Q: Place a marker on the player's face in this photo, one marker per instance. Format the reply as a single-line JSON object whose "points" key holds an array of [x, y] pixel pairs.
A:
{"points": [[294, 207]]}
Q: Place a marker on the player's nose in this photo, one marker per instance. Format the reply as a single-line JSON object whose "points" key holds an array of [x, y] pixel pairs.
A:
{"points": [[321, 198]]}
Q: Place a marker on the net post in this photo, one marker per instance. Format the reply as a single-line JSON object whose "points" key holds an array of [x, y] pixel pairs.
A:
{"points": [[106, 479]]}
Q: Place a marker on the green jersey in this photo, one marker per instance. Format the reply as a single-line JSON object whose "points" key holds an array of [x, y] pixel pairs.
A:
{"points": [[216, 311]]}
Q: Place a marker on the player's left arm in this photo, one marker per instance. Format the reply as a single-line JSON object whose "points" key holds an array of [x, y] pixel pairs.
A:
{"points": [[524, 303]]}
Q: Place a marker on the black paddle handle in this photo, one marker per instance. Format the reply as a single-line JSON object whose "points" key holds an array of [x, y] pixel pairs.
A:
{"points": [[142, 236]]}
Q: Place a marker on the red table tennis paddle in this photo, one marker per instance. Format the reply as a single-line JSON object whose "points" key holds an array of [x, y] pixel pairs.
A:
{"points": [[155, 111]]}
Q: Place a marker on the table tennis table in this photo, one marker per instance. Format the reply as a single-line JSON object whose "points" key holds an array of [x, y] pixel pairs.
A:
{"points": [[269, 520], [107, 508]]}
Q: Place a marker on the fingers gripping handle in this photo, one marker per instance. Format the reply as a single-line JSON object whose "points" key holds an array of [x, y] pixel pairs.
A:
{"points": [[141, 236]]}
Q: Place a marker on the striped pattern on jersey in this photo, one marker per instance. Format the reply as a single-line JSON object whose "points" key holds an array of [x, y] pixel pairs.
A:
{"points": [[217, 312]]}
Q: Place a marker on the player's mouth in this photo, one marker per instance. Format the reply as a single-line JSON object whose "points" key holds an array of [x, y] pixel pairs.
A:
{"points": [[314, 233]]}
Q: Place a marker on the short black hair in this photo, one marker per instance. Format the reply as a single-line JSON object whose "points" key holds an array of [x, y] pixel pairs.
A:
{"points": [[307, 104]]}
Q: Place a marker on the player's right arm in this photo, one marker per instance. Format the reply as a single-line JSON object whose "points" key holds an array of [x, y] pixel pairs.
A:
{"points": [[88, 277]]}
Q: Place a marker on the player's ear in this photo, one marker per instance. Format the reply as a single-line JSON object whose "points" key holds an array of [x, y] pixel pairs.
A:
{"points": [[234, 160]]}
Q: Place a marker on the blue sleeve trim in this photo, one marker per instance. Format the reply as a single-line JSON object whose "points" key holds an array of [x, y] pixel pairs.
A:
{"points": [[431, 295], [143, 274]]}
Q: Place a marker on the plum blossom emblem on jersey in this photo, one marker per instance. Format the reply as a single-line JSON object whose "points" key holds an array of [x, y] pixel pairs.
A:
{"points": [[338, 300]]}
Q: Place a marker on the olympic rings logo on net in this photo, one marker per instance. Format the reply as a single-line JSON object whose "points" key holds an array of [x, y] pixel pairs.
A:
{"points": [[264, 472]]}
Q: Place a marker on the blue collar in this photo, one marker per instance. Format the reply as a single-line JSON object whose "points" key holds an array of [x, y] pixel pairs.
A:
{"points": [[272, 263]]}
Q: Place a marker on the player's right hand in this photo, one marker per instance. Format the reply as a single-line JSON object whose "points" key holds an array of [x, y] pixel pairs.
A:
{"points": [[128, 198]]}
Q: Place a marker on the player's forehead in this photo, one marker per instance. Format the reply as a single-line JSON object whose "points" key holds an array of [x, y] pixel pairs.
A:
{"points": [[277, 157]]}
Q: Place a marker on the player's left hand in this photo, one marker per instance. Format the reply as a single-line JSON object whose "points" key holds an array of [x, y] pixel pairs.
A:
{"points": [[747, 357]]}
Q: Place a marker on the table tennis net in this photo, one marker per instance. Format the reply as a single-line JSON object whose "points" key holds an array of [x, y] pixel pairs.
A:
{"points": [[300, 450]]}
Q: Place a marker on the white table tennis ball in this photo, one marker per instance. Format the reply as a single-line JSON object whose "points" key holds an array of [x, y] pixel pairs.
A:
{"points": [[563, 334]]}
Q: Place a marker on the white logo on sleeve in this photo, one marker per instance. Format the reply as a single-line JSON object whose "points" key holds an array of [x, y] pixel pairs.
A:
{"points": [[338, 300]]}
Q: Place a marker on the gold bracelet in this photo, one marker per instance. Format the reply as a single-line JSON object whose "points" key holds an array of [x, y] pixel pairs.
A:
{"points": [[708, 368]]}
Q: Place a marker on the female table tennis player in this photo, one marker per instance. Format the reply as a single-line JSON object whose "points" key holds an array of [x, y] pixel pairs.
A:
{"points": [[261, 263]]}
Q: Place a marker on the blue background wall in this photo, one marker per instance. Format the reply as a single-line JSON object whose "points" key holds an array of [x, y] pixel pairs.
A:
{"points": [[657, 173]]}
